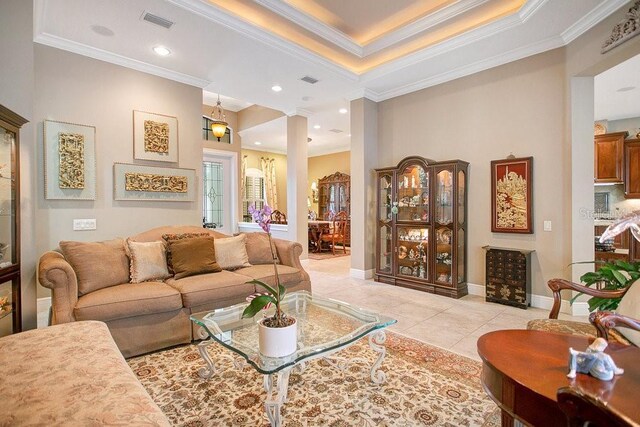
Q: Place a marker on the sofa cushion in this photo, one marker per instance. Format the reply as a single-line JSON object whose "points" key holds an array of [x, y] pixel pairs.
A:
{"points": [[193, 256], [258, 249], [231, 252], [97, 264], [204, 288], [178, 236], [127, 300], [148, 261], [630, 307], [265, 273]]}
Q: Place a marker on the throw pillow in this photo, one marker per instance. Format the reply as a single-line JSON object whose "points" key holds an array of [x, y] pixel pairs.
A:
{"points": [[148, 261], [97, 264], [179, 236], [193, 256], [258, 249], [630, 306], [231, 252]]}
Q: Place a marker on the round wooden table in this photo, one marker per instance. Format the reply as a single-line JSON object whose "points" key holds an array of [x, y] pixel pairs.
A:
{"points": [[523, 370]]}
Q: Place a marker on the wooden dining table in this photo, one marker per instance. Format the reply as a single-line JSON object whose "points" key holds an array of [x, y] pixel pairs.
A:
{"points": [[316, 229], [523, 370]]}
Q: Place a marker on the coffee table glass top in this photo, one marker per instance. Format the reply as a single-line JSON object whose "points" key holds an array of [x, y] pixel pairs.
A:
{"points": [[324, 325]]}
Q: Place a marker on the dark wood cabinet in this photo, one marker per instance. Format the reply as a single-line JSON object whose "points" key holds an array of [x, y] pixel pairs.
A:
{"points": [[634, 249], [508, 276], [421, 239], [10, 304], [632, 169], [609, 155], [334, 195]]}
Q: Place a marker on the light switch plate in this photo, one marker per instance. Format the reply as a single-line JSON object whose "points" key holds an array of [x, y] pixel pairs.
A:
{"points": [[547, 226], [84, 224]]}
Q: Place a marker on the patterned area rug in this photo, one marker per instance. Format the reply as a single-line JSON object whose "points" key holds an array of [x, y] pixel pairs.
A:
{"points": [[426, 386]]}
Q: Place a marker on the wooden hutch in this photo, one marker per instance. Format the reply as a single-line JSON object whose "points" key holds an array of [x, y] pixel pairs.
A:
{"points": [[334, 195], [421, 237]]}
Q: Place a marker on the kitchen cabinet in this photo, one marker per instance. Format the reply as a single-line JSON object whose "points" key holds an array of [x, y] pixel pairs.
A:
{"points": [[609, 156], [632, 169]]}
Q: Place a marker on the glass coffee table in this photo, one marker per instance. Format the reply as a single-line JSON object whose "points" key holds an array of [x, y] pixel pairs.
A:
{"points": [[325, 326]]}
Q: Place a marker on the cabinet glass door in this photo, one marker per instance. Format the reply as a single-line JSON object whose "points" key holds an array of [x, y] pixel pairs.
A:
{"points": [[444, 238], [386, 249], [6, 307], [413, 194], [444, 197], [385, 260], [412, 252], [7, 199]]}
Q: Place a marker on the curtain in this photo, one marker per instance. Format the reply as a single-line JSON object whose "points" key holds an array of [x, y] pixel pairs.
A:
{"points": [[243, 172], [269, 170]]}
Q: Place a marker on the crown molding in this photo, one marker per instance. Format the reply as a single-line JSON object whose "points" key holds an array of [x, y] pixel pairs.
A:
{"points": [[363, 92], [314, 25], [476, 67], [299, 112], [584, 24], [215, 14], [448, 12], [529, 9], [114, 58]]}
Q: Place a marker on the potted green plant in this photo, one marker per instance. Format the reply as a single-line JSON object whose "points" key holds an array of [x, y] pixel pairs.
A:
{"points": [[278, 333], [612, 275]]}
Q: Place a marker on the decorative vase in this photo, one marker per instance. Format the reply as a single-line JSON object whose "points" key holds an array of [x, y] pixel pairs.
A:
{"points": [[277, 342]]}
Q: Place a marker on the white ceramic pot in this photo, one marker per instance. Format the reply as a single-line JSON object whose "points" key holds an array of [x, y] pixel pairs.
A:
{"points": [[277, 342]]}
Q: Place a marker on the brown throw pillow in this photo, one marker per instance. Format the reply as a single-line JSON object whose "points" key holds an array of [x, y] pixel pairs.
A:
{"points": [[97, 264], [193, 256], [258, 249], [179, 236]]}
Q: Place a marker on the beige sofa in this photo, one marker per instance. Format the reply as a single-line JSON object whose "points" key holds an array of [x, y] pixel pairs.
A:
{"points": [[149, 316], [71, 375]]}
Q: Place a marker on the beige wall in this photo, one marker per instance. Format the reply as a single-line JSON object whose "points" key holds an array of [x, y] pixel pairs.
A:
{"points": [[253, 161], [321, 166], [516, 108], [78, 89], [16, 93]]}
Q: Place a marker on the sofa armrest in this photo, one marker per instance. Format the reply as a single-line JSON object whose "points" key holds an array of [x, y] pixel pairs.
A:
{"points": [[605, 320], [557, 285], [55, 273]]}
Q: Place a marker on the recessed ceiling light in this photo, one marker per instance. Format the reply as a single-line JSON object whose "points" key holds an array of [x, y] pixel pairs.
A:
{"points": [[316, 126], [258, 143], [276, 88], [343, 111], [161, 50], [349, 135], [626, 88]]}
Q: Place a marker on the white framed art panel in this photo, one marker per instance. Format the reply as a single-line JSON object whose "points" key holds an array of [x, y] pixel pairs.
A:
{"points": [[155, 137], [153, 174], [56, 184]]}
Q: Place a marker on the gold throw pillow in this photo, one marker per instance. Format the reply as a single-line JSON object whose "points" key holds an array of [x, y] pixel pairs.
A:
{"points": [[148, 261], [231, 252]]}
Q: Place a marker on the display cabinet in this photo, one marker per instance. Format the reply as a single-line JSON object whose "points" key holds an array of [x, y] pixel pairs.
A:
{"points": [[334, 195], [421, 225], [10, 313], [608, 158]]}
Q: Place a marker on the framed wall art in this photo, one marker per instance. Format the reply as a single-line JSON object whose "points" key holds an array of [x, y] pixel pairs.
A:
{"points": [[155, 137], [69, 161], [135, 182], [512, 195]]}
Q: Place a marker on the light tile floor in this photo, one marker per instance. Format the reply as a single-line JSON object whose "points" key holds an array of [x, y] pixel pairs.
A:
{"points": [[445, 322]]}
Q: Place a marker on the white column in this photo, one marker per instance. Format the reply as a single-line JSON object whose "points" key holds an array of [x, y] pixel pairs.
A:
{"points": [[297, 211], [364, 159]]}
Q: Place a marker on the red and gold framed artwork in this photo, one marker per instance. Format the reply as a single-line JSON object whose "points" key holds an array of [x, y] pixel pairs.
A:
{"points": [[512, 195]]}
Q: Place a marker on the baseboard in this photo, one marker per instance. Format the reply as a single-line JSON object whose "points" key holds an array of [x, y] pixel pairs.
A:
{"points": [[541, 301], [361, 274]]}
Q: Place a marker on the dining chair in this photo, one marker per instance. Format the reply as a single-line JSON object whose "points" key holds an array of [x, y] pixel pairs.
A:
{"points": [[278, 217], [338, 232]]}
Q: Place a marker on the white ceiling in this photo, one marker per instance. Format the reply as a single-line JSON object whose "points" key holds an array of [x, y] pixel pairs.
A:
{"points": [[617, 91], [222, 52]]}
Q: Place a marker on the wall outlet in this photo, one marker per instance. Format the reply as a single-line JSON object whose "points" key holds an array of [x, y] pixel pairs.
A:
{"points": [[547, 226], [84, 224]]}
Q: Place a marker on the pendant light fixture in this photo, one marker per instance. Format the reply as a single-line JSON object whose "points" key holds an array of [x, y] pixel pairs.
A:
{"points": [[218, 122]]}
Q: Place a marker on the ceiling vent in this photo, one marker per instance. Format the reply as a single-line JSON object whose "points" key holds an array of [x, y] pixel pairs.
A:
{"points": [[310, 80], [157, 20], [335, 130]]}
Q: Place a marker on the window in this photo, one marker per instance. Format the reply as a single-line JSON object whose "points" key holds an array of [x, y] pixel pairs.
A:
{"points": [[213, 194], [253, 194], [208, 135]]}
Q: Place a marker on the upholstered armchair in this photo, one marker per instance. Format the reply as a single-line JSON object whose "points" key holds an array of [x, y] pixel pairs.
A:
{"points": [[602, 322]]}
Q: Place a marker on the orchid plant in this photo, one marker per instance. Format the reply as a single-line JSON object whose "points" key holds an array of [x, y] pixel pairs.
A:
{"points": [[275, 296]]}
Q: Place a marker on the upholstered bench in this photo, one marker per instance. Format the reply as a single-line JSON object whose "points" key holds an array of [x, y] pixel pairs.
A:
{"points": [[71, 374]]}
